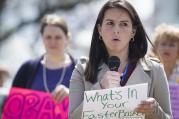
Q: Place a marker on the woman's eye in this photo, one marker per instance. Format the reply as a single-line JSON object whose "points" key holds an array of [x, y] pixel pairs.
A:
{"points": [[48, 37], [172, 45], [123, 24], [163, 44], [109, 23], [57, 37]]}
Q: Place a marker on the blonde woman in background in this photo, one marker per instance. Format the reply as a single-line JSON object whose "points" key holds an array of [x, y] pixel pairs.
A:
{"points": [[166, 48]]}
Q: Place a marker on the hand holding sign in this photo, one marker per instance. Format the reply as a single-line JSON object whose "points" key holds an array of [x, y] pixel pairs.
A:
{"points": [[147, 106], [60, 93]]}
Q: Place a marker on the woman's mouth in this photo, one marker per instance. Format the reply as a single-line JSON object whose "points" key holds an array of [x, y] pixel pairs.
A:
{"points": [[166, 54], [115, 39]]}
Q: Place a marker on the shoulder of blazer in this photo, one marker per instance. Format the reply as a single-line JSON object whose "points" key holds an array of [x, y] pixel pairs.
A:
{"points": [[153, 64], [155, 59], [81, 64], [150, 65], [150, 61], [82, 60]]}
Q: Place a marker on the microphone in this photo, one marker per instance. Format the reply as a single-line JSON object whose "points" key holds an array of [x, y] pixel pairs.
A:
{"points": [[113, 63]]}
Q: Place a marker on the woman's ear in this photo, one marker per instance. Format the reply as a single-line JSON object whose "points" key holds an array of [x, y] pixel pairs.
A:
{"points": [[69, 36], [68, 39], [99, 29], [133, 32]]}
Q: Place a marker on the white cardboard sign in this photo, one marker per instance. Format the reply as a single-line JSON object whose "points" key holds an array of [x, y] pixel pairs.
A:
{"points": [[114, 103]]}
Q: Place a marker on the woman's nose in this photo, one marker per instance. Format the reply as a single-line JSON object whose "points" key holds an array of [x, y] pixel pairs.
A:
{"points": [[116, 30]]}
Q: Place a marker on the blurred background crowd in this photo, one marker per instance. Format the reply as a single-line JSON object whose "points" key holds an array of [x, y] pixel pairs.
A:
{"points": [[19, 25]]}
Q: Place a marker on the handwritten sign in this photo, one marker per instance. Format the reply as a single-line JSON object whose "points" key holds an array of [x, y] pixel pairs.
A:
{"points": [[114, 103], [174, 96], [29, 104]]}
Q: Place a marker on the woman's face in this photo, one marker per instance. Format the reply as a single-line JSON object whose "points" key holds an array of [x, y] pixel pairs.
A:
{"points": [[116, 31], [168, 51], [54, 39]]}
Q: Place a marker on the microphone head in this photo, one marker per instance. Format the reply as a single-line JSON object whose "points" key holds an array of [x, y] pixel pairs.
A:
{"points": [[113, 63]]}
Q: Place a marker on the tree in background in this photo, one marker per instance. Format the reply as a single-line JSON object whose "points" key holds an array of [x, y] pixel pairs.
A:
{"points": [[16, 14]]}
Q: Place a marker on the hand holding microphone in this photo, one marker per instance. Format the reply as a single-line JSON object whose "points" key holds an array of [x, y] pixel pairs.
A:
{"points": [[111, 78]]}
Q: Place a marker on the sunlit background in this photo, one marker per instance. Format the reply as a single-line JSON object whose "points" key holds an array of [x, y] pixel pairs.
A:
{"points": [[19, 25]]}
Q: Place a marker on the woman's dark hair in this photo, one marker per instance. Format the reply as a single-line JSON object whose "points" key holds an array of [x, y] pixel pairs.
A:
{"points": [[98, 51]]}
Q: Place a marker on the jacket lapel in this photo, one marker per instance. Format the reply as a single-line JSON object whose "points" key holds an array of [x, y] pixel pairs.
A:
{"points": [[141, 74]]}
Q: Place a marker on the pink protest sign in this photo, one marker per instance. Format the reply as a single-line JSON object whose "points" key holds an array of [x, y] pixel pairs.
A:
{"points": [[174, 96], [29, 104]]}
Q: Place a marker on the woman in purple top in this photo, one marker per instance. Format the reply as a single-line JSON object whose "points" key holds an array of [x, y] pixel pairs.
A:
{"points": [[52, 71]]}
